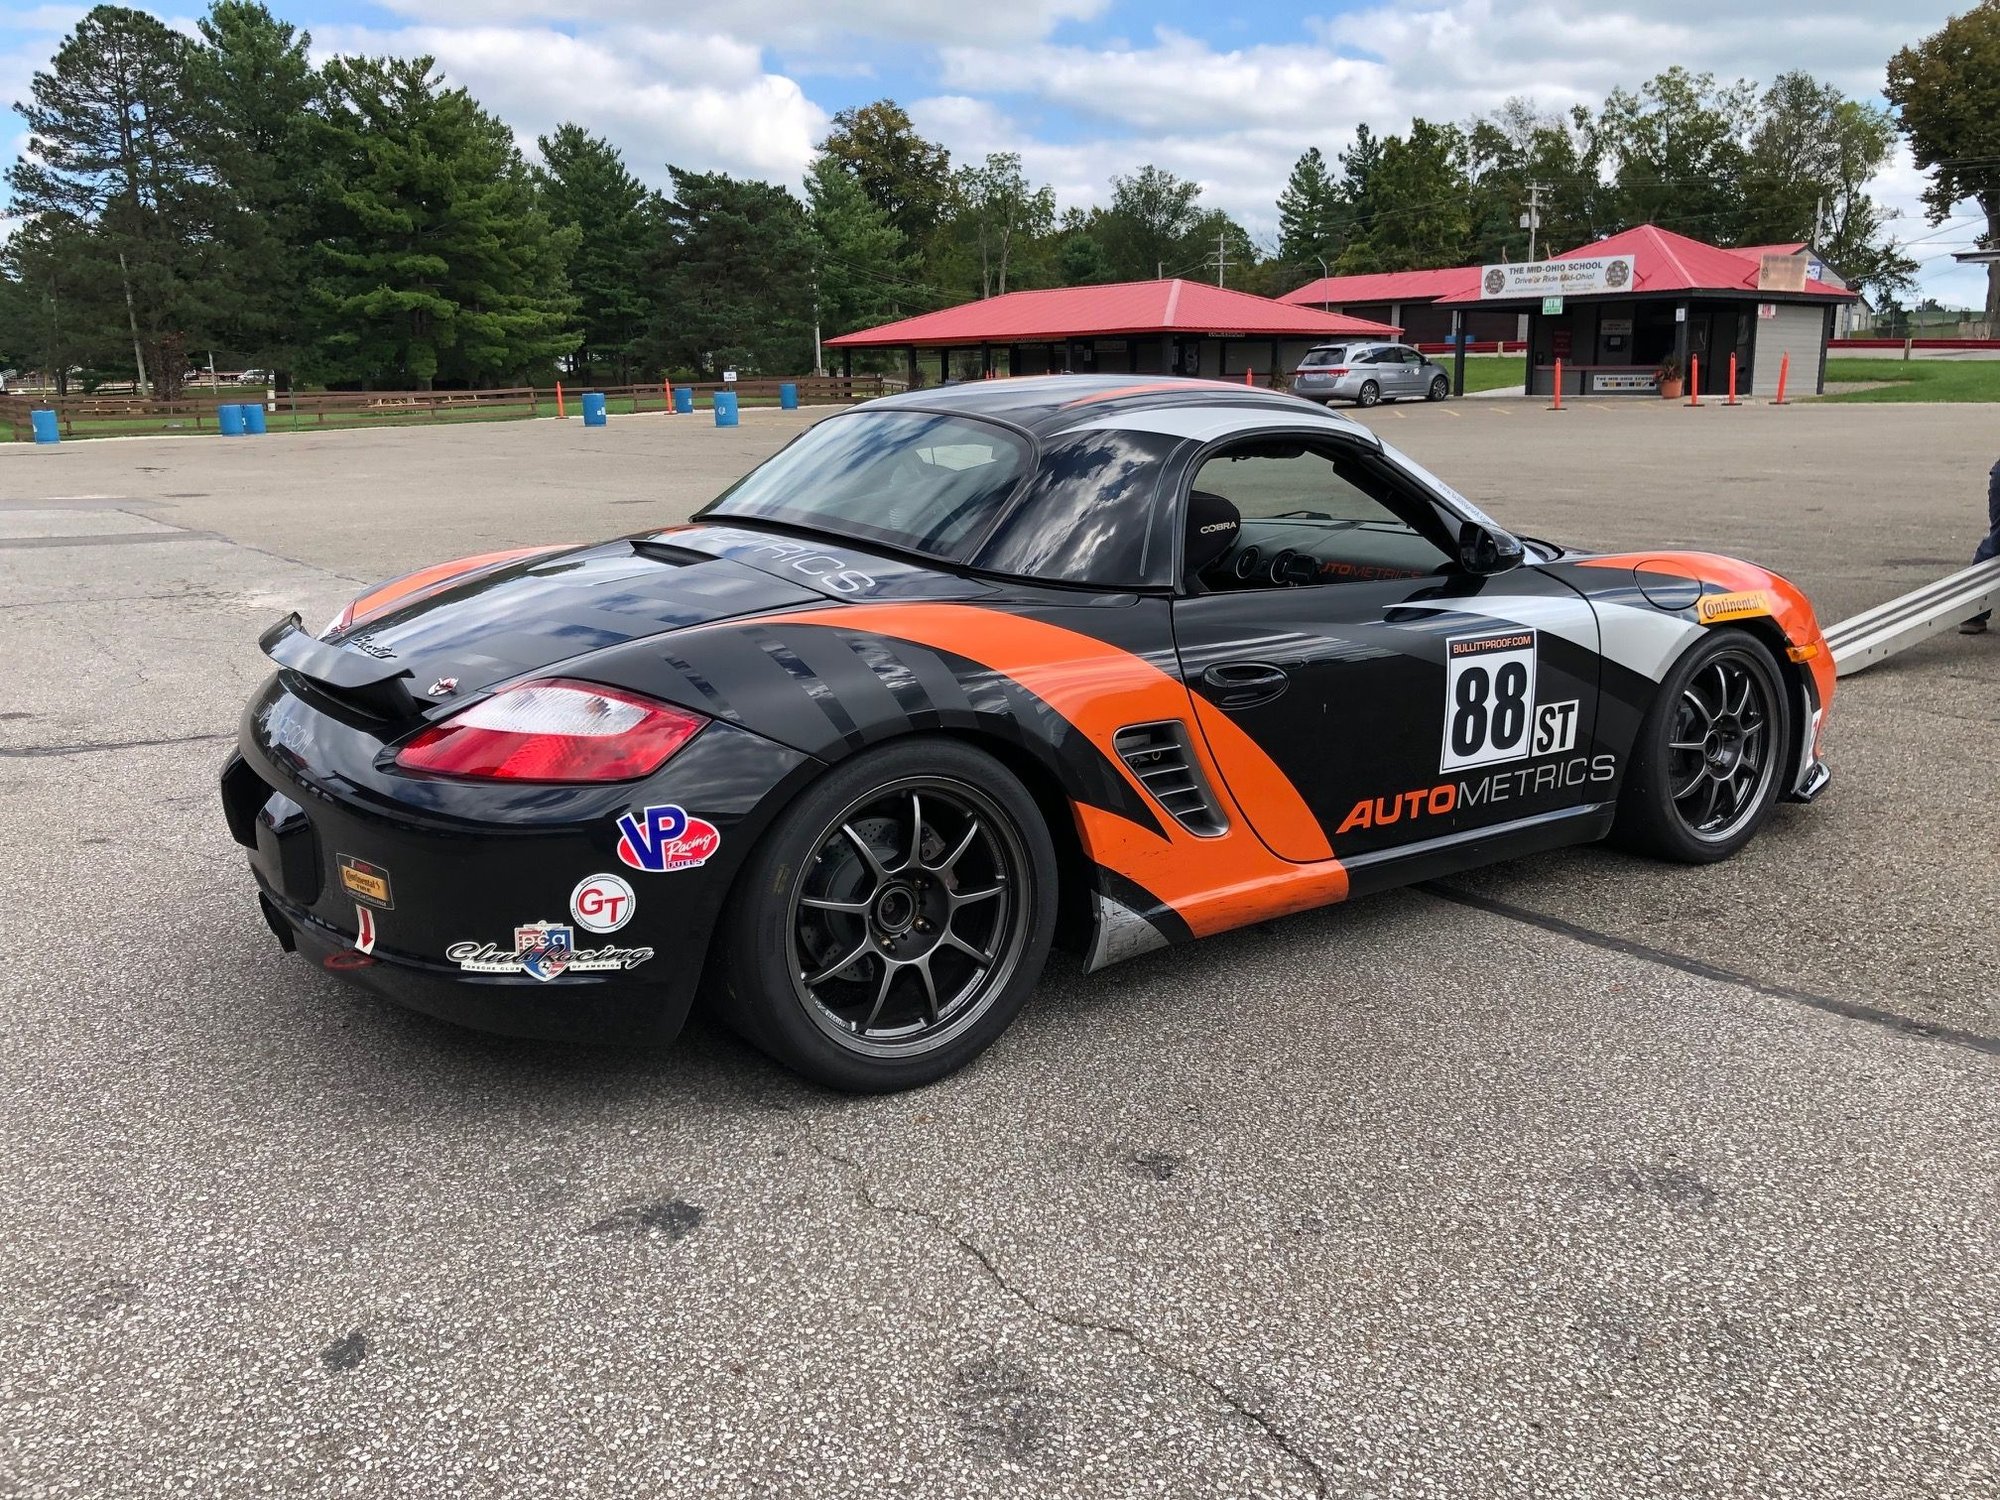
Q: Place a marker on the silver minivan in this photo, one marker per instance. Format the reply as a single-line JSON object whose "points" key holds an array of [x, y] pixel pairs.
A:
{"points": [[1367, 374]]}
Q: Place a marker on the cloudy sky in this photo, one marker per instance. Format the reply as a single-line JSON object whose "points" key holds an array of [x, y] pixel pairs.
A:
{"points": [[1227, 93]]}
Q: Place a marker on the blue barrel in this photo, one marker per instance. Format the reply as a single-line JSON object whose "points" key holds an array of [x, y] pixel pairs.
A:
{"points": [[788, 396], [230, 419], [593, 408], [46, 429], [253, 418], [725, 409], [683, 399]]}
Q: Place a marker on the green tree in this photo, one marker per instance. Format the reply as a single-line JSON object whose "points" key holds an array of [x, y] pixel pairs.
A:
{"points": [[436, 262], [737, 288], [117, 145], [45, 318], [908, 177], [1946, 90], [260, 87], [1079, 250], [585, 187], [1228, 253], [1420, 212], [1145, 230], [857, 252], [1678, 154], [1812, 154], [1357, 170], [1309, 214], [997, 212]]}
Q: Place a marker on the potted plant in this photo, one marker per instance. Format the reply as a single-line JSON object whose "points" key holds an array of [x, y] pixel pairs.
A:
{"points": [[1669, 379]]}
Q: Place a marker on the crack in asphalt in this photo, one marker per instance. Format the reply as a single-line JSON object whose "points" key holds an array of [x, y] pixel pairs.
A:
{"points": [[34, 752], [1701, 968], [866, 1194]]}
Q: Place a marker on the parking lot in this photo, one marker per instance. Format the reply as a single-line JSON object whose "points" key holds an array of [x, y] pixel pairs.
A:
{"points": [[1577, 1176]]}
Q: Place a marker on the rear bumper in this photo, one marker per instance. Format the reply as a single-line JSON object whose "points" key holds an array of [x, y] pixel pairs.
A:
{"points": [[429, 892]]}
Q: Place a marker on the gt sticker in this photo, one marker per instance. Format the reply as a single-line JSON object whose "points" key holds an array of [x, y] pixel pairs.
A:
{"points": [[602, 903], [544, 951], [364, 930], [659, 839], [1489, 696], [365, 882], [1712, 609]]}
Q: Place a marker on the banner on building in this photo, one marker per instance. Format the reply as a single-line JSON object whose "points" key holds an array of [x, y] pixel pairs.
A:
{"points": [[1579, 276]]}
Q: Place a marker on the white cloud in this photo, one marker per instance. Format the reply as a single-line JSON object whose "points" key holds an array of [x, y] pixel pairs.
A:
{"points": [[661, 96]]}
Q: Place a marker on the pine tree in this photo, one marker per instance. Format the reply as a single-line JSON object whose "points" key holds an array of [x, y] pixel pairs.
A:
{"points": [[858, 253], [116, 150], [437, 263], [260, 86], [585, 186], [1307, 213], [737, 284]]}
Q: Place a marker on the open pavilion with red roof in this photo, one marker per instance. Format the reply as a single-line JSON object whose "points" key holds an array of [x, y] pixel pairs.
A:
{"points": [[1167, 327]]}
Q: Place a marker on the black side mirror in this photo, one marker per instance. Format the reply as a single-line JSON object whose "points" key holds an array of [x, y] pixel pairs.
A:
{"points": [[1483, 551]]}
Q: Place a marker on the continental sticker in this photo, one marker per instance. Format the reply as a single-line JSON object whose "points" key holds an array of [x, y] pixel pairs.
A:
{"points": [[1713, 609], [365, 882]]}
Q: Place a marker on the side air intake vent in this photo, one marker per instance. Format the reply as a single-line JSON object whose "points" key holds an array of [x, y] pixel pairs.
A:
{"points": [[1159, 756]]}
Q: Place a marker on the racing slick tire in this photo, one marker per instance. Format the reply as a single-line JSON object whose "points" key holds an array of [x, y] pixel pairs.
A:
{"points": [[1440, 388], [1370, 394], [1710, 756], [893, 920]]}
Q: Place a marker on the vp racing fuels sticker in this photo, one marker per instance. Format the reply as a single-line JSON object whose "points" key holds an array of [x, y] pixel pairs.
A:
{"points": [[544, 950], [1490, 712], [658, 839]]}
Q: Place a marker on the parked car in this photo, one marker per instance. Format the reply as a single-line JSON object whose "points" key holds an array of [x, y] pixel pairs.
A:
{"points": [[1368, 374]]}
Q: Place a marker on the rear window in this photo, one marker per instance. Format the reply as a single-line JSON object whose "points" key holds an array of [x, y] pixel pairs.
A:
{"points": [[1319, 359], [914, 480]]}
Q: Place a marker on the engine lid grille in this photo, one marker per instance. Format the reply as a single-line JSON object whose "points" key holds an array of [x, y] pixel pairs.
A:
{"points": [[1159, 755]]}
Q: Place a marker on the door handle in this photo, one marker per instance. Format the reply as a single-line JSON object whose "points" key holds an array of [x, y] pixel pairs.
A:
{"points": [[1244, 684]]}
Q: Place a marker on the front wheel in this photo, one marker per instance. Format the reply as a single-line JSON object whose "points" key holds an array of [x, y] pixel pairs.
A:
{"points": [[1440, 388], [894, 919], [1709, 759], [1371, 394]]}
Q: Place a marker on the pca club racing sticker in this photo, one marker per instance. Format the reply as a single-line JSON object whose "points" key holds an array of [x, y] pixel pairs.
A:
{"points": [[544, 951]]}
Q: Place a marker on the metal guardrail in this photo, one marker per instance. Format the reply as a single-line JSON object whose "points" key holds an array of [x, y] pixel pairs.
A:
{"points": [[1877, 634]]}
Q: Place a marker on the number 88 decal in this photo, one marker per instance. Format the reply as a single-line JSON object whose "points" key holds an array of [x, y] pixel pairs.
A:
{"points": [[1489, 698]]}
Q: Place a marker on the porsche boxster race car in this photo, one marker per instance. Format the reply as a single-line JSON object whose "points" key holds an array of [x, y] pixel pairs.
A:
{"points": [[961, 673]]}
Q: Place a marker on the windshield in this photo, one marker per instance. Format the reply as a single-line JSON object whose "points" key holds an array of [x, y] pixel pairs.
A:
{"points": [[915, 480], [1319, 359]]}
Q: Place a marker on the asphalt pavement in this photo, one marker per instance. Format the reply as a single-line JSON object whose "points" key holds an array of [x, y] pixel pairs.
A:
{"points": [[1579, 1176]]}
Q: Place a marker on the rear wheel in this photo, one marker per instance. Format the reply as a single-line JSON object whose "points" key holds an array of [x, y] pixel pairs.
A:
{"points": [[1371, 394], [1440, 388], [894, 919], [1709, 759]]}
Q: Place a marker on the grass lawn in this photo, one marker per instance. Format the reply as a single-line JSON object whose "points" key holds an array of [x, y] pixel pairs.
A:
{"points": [[1918, 379], [1490, 372]]}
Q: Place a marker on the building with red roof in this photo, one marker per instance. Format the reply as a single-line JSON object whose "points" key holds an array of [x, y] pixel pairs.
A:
{"points": [[1168, 327], [1410, 300], [1614, 310]]}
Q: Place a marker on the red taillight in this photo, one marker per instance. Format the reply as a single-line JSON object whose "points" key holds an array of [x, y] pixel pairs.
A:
{"points": [[554, 730]]}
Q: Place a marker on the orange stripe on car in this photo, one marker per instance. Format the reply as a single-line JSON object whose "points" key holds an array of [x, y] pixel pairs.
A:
{"points": [[1213, 883]]}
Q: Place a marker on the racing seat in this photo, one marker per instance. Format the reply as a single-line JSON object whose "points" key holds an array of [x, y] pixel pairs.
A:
{"points": [[1212, 525]]}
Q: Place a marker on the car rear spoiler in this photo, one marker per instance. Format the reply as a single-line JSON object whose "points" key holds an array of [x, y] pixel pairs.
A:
{"points": [[374, 686]]}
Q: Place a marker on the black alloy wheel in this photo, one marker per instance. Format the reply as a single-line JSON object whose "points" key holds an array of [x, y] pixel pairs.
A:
{"points": [[1371, 394], [898, 915], [1710, 758]]}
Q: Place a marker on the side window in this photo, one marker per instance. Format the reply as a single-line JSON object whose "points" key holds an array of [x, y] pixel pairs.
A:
{"points": [[1315, 515], [1088, 515], [1411, 357]]}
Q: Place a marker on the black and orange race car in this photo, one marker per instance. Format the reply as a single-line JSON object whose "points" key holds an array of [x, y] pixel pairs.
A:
{"points": [[963, 672]]}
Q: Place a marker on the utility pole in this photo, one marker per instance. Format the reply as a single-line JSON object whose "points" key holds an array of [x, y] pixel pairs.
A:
{"points": [[819, 360], [1324, 306], [1221, 255], [1532, 219]]}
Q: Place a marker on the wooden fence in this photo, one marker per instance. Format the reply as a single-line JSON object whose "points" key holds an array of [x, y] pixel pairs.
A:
{"points": [[196, 411]]}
